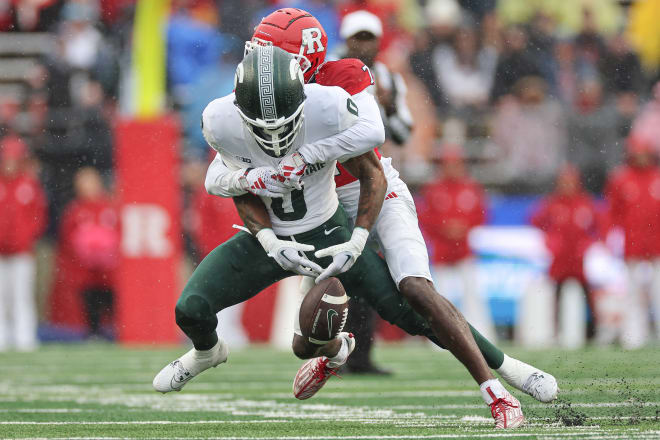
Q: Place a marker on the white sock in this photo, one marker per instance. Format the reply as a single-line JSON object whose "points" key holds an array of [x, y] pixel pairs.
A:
{"points": [[340, 358], [196, 361], [492, 390], [514, 372]]}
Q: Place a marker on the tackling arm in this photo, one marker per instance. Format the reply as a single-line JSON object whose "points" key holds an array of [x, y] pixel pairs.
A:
{"points": [[373, 186], [365, 134]]}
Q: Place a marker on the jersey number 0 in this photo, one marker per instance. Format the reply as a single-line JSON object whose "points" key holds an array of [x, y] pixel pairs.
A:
{"points": [[290, 207]]}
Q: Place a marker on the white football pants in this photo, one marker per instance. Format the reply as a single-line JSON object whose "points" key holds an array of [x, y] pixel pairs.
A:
{"points": [[18, 316], [643, 297]]}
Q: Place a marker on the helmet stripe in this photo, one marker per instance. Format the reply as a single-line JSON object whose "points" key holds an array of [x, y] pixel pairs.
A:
{"points": [[266, 89]]}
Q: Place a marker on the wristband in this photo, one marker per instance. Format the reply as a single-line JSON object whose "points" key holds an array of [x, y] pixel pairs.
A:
{"points": [[359, 237], [242, 180], [267, 238]]}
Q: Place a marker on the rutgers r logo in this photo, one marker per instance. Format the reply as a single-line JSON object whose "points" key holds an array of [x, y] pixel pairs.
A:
{"points": [[311, 37]]}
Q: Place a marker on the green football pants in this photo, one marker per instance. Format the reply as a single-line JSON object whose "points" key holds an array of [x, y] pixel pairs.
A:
{"points": [[238, 269]]}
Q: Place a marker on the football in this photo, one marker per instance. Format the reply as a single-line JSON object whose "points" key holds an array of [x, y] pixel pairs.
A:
{"points": [[323, 311]]}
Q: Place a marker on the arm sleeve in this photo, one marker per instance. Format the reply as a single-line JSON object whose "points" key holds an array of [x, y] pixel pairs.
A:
{"points": [[222, 178], [357, 135]]}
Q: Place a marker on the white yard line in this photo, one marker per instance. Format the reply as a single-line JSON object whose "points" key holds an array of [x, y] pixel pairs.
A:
{"points": [[587, 435], [147, 422], [383, 394], [49, 410], [533, 405]]}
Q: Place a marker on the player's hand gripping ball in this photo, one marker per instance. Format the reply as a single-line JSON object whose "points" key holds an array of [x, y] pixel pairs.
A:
{"points": [[324, 311]]}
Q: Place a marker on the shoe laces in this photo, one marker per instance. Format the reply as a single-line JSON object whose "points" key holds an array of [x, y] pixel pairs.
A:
{"points": [[321, 370], [500, 406]]}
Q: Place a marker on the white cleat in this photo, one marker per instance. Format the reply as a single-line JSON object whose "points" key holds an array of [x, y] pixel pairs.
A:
{"points": [[537, 383], [315, 372], [177, 374]]}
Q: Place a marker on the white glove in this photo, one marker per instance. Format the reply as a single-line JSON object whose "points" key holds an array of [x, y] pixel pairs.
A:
{"points": [[263, 181], [292, 168], [288, 254], [343, 255]]}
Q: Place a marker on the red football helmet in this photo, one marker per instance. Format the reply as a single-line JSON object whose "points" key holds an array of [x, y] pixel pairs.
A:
{"points": [[295, 31]]}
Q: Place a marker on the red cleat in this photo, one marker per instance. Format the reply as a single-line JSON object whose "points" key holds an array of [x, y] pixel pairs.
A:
{"points": [[506, 411], [315, 372]]}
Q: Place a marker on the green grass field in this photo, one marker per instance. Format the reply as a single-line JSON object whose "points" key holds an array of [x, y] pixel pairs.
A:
{"points": [[104, 391]]}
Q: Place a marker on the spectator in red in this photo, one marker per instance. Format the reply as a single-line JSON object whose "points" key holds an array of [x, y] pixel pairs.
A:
{"points": [[633, 193], [450, 207], [22, 221], [571, 222], [87, 256]]}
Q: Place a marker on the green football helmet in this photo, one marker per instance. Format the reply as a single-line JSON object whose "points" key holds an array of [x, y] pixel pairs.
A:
{"points": [[270, 98]]}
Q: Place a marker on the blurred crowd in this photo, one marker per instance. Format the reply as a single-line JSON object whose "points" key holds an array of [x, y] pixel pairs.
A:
{"points": [[541, 97]]}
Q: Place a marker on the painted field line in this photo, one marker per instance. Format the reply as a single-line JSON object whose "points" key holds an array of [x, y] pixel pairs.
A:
{"points": [[379, 395], [590, 435], [148, 422], [49, 410], [533, 405]]}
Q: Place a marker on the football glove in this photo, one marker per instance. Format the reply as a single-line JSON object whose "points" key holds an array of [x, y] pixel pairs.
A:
{"points": [[263, 181], [292, 168], [288, 254], [343, 255]]}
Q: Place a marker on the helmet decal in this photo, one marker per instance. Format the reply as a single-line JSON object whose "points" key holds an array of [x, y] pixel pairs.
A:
{"points": [[266, 89], [311, 37], [295, 71], [238, 78]]}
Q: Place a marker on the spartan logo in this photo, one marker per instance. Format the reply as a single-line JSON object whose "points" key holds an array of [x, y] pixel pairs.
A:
{"points": [[266, 92], [331, 314], [311, 37]]}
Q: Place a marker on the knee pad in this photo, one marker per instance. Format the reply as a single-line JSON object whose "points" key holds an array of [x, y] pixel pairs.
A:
{"points": [[194, 311]]}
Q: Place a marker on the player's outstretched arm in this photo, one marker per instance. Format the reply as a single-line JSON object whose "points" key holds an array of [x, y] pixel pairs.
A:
{"points": [[373, 186], [288, 254]]}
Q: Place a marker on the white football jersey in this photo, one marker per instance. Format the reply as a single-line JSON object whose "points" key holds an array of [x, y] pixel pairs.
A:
{"points": [[328, 111]]}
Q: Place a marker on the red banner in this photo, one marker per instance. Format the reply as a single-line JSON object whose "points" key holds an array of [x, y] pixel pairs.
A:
{"points": [[147, 160]]}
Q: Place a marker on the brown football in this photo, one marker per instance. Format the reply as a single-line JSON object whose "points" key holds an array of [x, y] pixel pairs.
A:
{"points": [[323, 311]]}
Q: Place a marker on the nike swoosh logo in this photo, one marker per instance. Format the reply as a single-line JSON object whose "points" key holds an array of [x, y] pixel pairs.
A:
{"points": [[331, 314], [326, 232], [348, 258]]}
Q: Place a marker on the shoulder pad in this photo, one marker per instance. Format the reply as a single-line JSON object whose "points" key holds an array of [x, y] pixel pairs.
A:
{"points": [[216, 117], [350, 74]]}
